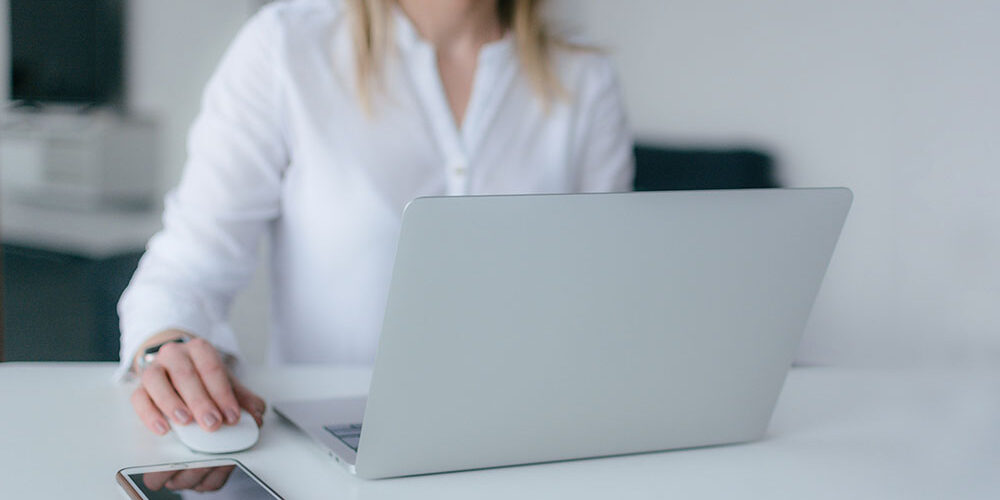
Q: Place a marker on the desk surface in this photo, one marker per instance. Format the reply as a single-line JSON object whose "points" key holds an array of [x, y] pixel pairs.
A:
{"points": [[66, 428]]}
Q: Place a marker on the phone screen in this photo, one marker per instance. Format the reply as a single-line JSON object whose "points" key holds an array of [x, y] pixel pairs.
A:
{"points": [[218, 482]]}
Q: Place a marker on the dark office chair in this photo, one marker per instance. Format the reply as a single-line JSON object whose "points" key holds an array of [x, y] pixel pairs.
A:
{"points": [[664, 168]]}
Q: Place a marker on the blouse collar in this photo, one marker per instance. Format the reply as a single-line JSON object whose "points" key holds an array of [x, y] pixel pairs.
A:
{"points": [[409, 39]]}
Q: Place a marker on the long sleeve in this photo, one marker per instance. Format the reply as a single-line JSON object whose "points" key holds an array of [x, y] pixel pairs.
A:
{"points": [[229, 193], [603, 149]]}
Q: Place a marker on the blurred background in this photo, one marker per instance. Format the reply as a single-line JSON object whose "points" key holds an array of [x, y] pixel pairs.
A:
{"points": [[895, 99]]}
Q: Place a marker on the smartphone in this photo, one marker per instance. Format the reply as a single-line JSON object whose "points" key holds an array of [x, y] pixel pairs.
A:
{"points": [[222, 478]]}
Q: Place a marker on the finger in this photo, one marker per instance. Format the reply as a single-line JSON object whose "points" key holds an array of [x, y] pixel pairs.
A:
{"points": [[161, 391], [215, 479], [187, 381], [187, 479], [148, 412], [156, 480], [250, 401], [215, 376]]}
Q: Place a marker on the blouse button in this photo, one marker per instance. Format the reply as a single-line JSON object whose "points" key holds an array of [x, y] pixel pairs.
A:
{"points": [[458, 169]]}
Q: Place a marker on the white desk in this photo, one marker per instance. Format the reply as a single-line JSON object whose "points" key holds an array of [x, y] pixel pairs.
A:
{"points": [[835, 434]]}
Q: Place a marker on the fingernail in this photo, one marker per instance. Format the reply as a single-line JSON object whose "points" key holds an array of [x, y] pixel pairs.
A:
{"points": [[182, 415], [170, 484], [210, 419], [232, 416], [160, 427]]}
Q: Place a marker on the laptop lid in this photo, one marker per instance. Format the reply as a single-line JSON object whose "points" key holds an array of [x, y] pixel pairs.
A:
{"points": [[536, 328]]}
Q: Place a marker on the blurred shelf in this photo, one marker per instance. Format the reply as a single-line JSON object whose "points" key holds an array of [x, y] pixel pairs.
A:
{"points": [[92, 234]]}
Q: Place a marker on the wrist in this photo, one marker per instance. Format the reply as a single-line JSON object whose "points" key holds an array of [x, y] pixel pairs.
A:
{"points": [[147, 351]]}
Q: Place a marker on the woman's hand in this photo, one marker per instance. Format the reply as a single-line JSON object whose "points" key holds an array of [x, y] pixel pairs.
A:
{"points": [[190, 381]]}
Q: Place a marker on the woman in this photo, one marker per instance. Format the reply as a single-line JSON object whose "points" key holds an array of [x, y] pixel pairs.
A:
{"points": [[323, 120]]}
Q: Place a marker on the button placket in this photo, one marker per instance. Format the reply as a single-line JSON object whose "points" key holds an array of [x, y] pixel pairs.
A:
{"points": [[457, 172], [435, 105], [494, 74]]}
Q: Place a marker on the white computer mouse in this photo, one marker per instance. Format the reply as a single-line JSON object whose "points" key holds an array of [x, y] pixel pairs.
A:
{"points": [[227, 439]]}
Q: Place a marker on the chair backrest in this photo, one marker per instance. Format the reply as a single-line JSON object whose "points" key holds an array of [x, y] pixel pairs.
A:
{"points": [[665, 168]]}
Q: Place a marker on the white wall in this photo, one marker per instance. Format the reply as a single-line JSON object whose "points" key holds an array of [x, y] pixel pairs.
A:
{"points": [[173, 47], [896, 99]]}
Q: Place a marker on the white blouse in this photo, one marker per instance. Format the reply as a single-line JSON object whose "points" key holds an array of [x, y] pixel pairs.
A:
{"points": [[282, 148]]}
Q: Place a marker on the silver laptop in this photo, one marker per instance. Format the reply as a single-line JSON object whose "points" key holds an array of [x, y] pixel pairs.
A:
{"points": [[536, 328]]}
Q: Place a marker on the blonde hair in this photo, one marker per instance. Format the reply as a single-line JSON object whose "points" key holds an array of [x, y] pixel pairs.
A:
{"points": [[371, 31]]}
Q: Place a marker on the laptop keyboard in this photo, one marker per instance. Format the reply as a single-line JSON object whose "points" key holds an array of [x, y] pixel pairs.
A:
{"points": [[349, 434]]}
